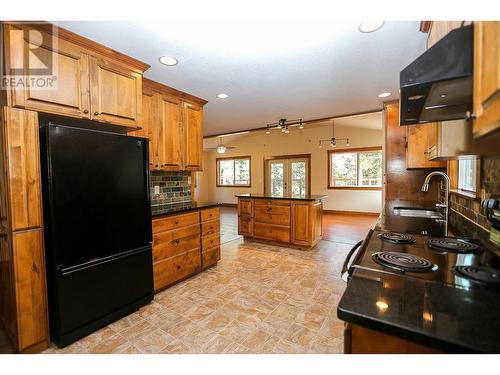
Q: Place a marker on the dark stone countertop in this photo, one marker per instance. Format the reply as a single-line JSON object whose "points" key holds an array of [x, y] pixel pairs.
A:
{"points": [[307, 197], [178, 208], [447, 318], [394, 223]]}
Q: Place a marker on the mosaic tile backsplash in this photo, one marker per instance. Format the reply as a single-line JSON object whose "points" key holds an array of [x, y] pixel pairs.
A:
{"points": [[174, 186], [471, 208]]}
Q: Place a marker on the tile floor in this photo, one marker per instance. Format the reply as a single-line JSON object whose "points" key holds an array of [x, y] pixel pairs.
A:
{"points": [[258, 299]]}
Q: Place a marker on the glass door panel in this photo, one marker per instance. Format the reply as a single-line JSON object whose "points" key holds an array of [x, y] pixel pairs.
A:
{"points": [[276, 178], [298, 176]]}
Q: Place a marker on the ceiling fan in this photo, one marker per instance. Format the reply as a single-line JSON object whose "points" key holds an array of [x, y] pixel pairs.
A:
{"points": [[221, 148]]}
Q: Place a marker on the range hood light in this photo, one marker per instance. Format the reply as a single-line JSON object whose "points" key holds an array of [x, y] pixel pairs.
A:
{"points": [[416, 97]]}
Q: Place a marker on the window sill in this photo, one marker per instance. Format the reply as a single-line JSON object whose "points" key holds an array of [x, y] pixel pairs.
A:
{"points": [[355, 187], [464, 193]]}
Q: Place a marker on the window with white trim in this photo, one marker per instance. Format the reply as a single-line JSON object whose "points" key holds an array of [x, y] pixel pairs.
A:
{"points": [[467, 175], [233, 171]]}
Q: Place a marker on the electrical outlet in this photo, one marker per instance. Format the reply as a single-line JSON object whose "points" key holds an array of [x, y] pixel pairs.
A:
{"points": [[157, 189], [189, 180]]}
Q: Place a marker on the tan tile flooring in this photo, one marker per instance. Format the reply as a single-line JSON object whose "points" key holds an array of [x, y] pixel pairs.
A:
{"points": [[258, 299]]}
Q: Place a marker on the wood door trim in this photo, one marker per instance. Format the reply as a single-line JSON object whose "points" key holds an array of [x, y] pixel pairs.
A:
{"points": [[285, 157]]}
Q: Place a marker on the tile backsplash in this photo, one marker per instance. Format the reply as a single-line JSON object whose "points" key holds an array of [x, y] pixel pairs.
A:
{"points": [[174, 186], [465, 212]]}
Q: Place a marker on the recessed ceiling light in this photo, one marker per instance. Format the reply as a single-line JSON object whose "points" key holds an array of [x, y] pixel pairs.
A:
{"points": [[384, 95], [169, 60], [370, 26], [222, 96]]}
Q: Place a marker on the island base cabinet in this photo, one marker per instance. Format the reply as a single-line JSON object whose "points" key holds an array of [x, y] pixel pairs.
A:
{"points": [[297, 223], [362, 340]]}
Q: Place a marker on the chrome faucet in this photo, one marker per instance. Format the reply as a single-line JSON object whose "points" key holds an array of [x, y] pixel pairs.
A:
{"points": [[425, 188]]}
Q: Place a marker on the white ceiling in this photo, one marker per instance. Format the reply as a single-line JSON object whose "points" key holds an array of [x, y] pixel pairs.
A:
{"points": [[308, 69]]}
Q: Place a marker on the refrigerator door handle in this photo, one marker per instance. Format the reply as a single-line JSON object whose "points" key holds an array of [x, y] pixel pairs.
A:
{"points": [[95, 262]]}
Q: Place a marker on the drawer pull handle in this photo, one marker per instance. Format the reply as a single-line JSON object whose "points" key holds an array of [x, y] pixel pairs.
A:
{"points": [[176, 222], [178, 267], [176, 242]]}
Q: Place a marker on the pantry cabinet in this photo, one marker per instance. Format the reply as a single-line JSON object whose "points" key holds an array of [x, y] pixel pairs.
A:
{"points": [[486, 95], [61, 73], [175, 128]]}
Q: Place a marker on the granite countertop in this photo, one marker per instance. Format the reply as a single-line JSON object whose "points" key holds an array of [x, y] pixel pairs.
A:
{"points": [[177, 208], [306, 197], [447, 318], [395, 223]]}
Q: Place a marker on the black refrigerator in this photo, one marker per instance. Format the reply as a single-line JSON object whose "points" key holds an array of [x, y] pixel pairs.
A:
{"points": [[97, 219]]}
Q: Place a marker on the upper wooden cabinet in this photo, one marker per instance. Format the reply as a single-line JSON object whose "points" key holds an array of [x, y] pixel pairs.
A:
{"points": [[486, 96], [170, 133], [419, 140], [116, 93], [90, 81], [175, 127], [193, 136]]}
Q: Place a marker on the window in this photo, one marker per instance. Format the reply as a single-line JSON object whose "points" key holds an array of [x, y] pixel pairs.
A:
{"points": [[467, 171], [233, 171], [357, 168]]}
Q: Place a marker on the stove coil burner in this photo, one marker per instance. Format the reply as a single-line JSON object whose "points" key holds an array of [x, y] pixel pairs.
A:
{"points": [[482, 275], [453, 245], [397, 238], [403, 262]]}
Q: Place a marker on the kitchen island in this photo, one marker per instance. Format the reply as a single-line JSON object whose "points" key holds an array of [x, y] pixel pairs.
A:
{"points": [[292, 220]]}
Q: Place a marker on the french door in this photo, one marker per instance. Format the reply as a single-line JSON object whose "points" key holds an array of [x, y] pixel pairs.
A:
{"points": [[287, 176]]}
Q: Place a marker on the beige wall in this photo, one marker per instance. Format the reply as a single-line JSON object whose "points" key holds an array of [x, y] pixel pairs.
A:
{"points": [[259, 145]]}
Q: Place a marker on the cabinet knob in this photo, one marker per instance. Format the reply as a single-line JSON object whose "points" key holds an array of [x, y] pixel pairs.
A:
{"points": [[85, 111], [96, 113]]}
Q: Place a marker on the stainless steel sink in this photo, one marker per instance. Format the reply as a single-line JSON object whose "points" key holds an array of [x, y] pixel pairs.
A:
{"points": [[418, 212]]}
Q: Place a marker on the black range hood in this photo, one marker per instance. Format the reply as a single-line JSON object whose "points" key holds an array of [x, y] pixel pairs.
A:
{"points": [[437, 86]]}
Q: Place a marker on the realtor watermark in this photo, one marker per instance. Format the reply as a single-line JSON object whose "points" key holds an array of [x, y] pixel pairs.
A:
{"points": [[31, 57]]}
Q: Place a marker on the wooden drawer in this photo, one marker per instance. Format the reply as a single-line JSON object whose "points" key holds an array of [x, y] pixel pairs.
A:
{"points": [[245, 207], [210, 214], [271, 218], [270, 202], [174, 242], [176, 221], [173, 269], [210, 241], [210, 257], [210, 227], [271, 232], [260, 211], [245, 226]]}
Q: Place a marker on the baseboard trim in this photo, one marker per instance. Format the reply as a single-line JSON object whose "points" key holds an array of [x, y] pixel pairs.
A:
{"points": [[352, 212], [228, 205]]}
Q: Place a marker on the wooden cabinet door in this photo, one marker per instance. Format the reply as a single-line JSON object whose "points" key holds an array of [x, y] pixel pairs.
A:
{"points": [[22, 151], [417, 137], [69, 94], [31, 300], [149, 129], [193, 137], [245, 226], [486, 95], [116, 93], [170, 133], [245, 207], [301, 221]]}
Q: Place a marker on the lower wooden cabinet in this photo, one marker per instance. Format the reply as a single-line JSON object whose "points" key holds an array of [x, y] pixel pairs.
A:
{"points": [[362, 340], [294, 222], [184, 244]]}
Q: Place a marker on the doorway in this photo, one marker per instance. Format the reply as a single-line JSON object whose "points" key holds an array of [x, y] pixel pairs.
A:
{"points": [[287, 175]]}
